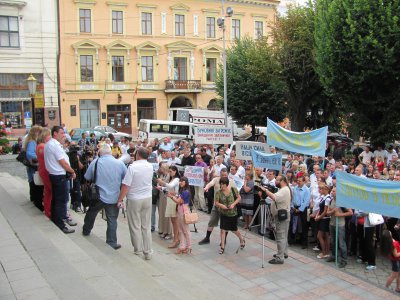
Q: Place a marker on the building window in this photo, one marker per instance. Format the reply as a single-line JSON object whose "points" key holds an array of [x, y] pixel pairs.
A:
{"points": [[179, 25], [146, 109], [235, 29], [163, 23], [147, 68], [259, 29], [89, 113], [146, 23], [211, 70], [86, 68], [118, 68], [117, 22], [210, 27], [9, 31], [180, 68], [84, 20]]}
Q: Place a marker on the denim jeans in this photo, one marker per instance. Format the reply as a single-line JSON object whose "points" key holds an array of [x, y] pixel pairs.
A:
{"points": [[58, 204], [112, 212]]}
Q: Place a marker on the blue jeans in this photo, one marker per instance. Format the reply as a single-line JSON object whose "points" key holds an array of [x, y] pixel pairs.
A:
{"points": [[58, 204], [112, 212]]}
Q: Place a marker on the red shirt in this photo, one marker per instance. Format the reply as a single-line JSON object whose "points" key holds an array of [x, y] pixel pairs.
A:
{"points": [[380, 166], [396, 245]]}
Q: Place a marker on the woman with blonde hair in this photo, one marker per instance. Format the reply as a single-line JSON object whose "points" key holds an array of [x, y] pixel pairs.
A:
{"points": [[323, 219], [43, 138], [35, 191]]}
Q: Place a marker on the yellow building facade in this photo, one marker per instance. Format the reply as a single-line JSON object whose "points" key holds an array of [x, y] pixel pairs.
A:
{"points": [[126, 60]]}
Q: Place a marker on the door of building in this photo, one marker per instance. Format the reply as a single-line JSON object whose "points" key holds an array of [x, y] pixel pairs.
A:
{"points": [[119, 117]]}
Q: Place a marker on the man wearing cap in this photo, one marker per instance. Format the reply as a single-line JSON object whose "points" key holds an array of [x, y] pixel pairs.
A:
{"points": [[109, 175]]}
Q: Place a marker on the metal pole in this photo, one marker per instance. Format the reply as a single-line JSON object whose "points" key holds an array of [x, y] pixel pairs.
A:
{"points": [[224, 64], [33, 109]]}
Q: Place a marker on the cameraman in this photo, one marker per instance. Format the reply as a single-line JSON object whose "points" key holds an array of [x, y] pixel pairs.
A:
{"points": [[281, 202], [77, 166]]}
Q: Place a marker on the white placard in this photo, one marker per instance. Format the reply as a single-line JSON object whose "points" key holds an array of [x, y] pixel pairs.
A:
{"points": [[243, 149], [195, 175], [213, 135]]}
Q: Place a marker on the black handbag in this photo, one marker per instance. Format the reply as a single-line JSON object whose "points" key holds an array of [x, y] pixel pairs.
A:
{"points": [[283, 213], [90, 192], [21, 157]]}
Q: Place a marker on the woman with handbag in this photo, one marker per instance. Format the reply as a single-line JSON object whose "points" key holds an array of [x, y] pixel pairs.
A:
{"points": [[164, 223], [226, 200], [170, 210], [44, 137], [182, 199], [35, 191]]}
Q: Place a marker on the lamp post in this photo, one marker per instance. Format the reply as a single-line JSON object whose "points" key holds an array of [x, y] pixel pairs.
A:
{"points": [[316, 116], [221, 24], [31, 80]]}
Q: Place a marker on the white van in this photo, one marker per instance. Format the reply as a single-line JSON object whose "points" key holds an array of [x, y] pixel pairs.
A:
{"points": [[151, 129]]}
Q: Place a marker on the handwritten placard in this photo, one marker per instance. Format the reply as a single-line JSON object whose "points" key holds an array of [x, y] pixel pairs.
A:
{"points": [[195, 175], [213, 135], [243, 149]]}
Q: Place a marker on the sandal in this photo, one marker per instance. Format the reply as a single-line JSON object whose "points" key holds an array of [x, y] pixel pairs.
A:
{"points": [[174, 245], [243, 244], [221, 251]]}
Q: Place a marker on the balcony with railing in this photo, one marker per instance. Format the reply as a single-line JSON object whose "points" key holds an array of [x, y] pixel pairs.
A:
{"points": [[183, 86]]}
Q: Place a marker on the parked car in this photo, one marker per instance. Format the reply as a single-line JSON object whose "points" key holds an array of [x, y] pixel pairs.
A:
{"points": [[77, 133], [117, 134]]}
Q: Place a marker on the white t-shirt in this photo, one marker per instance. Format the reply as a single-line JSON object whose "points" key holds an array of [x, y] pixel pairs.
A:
{"points": [[218, 168], [172, 162], [139, 179], [53, 153], [390, 155], [383, 154], [366, 157], [241, 172]]}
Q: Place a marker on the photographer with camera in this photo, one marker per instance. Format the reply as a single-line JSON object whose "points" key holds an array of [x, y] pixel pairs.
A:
{"points": [[280, 209], [77, 166]]}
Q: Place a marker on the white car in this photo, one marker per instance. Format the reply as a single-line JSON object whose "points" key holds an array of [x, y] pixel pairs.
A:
{"points": [[117, 134]]}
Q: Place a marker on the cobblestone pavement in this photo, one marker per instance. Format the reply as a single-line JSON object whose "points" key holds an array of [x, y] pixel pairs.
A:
{"points": [[376, 277]]}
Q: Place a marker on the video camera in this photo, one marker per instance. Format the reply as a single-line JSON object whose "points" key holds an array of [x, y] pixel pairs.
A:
{"points": [[269, 187]]}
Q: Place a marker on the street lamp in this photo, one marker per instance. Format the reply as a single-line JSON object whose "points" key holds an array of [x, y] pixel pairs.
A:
{"points": [[31, 80], [314, 116], [320, 112], [221, 24]]}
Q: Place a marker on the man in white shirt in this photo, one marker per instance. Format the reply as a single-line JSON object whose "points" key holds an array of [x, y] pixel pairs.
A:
{"points": [[382, 153], [235, 177], [173, 160], [366, 156], [137, 187], [219, 165], [57, 164], [241, 172], [391, 152]]}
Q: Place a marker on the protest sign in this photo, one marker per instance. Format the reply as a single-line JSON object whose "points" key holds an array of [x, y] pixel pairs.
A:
{"points": [[369, 195], [311, 143], [213, 135], [195, 175], [243, 149], [267, 160]]}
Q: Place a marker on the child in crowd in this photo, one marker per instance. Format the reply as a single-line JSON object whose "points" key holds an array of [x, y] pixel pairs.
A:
{"points": [[391, 248]]}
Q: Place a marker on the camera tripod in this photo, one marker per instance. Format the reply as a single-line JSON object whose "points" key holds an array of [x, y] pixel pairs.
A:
{"points": [[265, 215]]}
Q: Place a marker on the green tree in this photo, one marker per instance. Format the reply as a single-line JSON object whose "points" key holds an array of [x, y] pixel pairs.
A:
{"points": [[358, 60], [294, 47], [254, 90]]}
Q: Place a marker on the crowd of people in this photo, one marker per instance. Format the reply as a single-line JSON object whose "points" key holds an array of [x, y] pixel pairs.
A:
{"points": [[150, 176]]}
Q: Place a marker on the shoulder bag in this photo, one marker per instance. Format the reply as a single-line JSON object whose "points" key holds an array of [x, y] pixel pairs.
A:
{"points": [[375, 219], [190, 216], [283, 213], [90, 195]]}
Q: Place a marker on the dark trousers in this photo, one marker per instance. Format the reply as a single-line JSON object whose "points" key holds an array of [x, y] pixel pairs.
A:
{"points": [[369, 245], [210, 199], [112, 212], [36, 195], [59, 188], [353, 238], [304, 227], [76, 196]]}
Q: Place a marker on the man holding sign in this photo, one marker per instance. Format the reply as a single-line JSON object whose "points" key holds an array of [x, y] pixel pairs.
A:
{"points": [[198, 190]]}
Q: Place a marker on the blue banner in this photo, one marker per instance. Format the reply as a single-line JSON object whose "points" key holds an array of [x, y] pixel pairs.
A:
{"points": [[310, 143], [369, 195], [267, 160]]}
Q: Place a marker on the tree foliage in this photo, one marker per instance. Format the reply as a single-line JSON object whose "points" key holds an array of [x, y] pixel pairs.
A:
{"points": [[254, 90], [358, 60], [294, 47]]}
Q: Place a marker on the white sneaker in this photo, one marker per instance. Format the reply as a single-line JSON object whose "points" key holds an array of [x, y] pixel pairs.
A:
{"points": [[147, 256], [316, 248], [370, 268]]}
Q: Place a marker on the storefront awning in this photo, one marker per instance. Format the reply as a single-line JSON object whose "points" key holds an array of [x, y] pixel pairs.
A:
{"points": [[15, 99]]}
